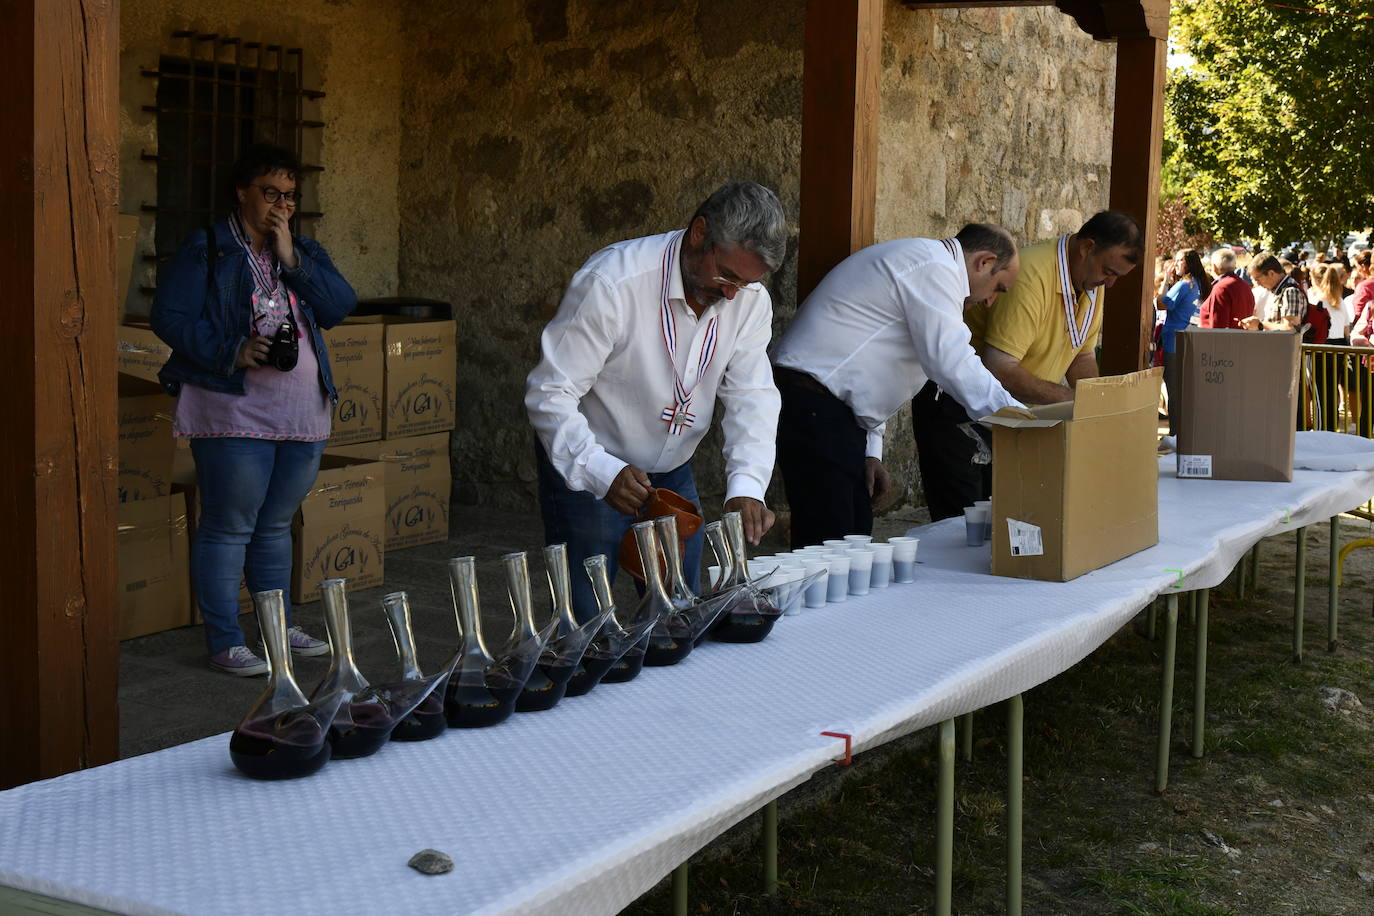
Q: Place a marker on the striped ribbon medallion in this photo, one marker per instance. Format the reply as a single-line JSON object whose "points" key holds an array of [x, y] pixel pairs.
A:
{"points": [[1078, 332], [952, 246], [678, 415]]}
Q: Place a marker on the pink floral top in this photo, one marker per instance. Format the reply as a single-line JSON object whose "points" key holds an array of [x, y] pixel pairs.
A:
{"points": [[284, 406]]}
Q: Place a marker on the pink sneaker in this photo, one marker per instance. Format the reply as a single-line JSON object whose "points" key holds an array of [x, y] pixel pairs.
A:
{"points": [[238, 661]]}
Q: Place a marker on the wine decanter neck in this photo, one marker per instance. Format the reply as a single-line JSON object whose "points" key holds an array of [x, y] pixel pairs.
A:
{"points": [[518, 588], [720, 547], [343, 670], [648, 545], [560, 585], [462, 576], [734, 534], [281, 682], [601, 583], [397, 608]]}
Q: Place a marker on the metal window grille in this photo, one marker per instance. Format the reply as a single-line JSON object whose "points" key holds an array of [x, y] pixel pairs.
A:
{"points": [[214, 99]]}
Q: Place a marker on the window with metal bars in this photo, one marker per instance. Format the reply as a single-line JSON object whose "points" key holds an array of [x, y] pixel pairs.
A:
{"points": [[214, 99]]}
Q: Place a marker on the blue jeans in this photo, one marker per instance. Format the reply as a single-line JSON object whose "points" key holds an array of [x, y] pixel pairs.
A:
{"points": [[249, 492], [589, 526]]}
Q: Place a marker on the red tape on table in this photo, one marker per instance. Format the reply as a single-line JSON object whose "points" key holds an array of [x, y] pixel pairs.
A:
{"points": [[848, 747]]}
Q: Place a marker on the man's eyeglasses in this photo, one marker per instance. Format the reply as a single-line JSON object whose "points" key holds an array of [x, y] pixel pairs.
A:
{"points": [[272, 195], [738, 286]]}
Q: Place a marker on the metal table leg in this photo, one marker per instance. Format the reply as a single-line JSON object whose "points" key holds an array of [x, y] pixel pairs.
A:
{"points": [[944, 822], [680, 890], [770, 847], [1150, 622], [1166, 694], [1015, 757], [1200, 672], [1240, 576], [1333, 584], [966, 737], [1299, 596]]}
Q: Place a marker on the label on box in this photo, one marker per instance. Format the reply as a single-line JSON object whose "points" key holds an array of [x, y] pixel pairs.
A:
{"points": [[1194, 465], [1024, 539]]}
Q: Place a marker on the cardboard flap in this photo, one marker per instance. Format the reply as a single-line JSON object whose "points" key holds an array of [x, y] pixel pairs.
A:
{"points": [[1110, 395], [1044, 416]]}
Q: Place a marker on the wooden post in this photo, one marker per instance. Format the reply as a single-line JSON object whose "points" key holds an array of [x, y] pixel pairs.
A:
{"points": [[839, 156], [1137, 138], [59, 162]]}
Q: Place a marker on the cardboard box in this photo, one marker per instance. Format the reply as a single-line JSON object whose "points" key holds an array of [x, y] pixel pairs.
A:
{"points": [[339, 528], [355, 356], [140, 352], [1240, 404], [153, 554], [418, 485], [421, 373], [1078, 487], [146, 448]]}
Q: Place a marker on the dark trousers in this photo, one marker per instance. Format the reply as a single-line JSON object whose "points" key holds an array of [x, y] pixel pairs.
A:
{"points": [[821, 458], [589, 526], [954, 453], [1173, 385]]}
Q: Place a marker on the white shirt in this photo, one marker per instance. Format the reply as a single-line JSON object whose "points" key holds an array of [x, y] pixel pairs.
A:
{"points": [[604, 384], [881, 323]]}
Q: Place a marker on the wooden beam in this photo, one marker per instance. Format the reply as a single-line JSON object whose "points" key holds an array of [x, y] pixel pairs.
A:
{"points": [[1137, 138], [58, 162], [839, 156]]}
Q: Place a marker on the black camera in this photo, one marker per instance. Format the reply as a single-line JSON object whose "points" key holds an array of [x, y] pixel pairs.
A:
{"points": [[284, 350]]}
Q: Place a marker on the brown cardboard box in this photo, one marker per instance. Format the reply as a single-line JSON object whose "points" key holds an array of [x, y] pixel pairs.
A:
{"points": [[146, 447], [1240, 404], [418, 484], [1077, 488], [339, 529], [355, 356], [140, 352], [153, 592], [421, 372]]}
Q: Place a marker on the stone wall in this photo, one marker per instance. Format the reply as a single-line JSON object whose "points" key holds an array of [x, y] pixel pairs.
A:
{"points": [[352, 51], [536, 132]]}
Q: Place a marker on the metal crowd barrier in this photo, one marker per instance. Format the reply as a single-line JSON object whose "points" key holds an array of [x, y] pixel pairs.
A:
{"points": [[1338, 395]]}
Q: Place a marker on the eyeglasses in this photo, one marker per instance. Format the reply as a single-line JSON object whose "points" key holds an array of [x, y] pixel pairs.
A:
{"points": [[272, 195], [738, 286]]}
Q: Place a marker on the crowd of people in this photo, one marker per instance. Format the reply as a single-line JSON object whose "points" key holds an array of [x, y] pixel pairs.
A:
{"points": [[1327, 297]]}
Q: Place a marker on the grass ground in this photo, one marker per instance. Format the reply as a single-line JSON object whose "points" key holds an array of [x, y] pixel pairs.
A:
{"points": [[1278, 817]]}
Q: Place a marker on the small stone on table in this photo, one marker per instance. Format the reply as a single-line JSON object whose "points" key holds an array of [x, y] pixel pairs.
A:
{"points": [[431, 862]]}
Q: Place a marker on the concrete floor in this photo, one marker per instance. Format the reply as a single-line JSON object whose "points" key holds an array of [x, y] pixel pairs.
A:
{"points": [[168, 695]]}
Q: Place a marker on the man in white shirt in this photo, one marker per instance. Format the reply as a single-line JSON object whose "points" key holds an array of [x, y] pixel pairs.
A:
{"points": [[883, 322], [649, 334]]}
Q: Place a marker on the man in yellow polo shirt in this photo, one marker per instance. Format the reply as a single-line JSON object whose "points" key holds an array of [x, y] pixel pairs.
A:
{"points": [[1038, 339]]}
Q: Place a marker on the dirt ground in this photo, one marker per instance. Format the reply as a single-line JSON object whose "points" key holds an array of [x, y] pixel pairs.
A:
{"points": [[1277, 817]]}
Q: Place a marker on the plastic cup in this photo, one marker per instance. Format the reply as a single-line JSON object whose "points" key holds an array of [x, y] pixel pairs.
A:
{"points": [[904, 558], [860, 570], [816, 591], [862, 540], [882, 565], [975, 522], [835, 542], [837, 582], [987, 526]]}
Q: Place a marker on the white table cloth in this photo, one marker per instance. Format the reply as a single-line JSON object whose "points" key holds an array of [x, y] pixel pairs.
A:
{"points": [[582, 808]]}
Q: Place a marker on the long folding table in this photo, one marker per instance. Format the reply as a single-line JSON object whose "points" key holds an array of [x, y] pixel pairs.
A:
{"points": [[582, 808]]}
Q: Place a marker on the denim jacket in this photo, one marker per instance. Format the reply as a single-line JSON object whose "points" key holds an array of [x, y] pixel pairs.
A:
{"points": [[206, 327]]}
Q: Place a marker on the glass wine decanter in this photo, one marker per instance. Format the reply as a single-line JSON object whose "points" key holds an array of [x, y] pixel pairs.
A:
{"points": [[365, 722], [284, 735], [699, 613], [725, 560], [670, 641], [483, 689], [427, 719], [616, 654], [755, 605], [571, 641], [551, 673]]}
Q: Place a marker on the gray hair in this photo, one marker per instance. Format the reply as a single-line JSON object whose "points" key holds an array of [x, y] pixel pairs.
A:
{"points": [[1223, 260], [748, 215]]}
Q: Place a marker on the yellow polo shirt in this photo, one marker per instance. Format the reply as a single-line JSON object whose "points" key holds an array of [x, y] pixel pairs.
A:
{"points": [[1028, 321]]}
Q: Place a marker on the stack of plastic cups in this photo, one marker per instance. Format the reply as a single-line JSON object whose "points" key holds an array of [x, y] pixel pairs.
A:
{"points": [[904, 558], [985, 504], [837, 587], [816, 592], [860, 569], [975, 525], [882, 565]]}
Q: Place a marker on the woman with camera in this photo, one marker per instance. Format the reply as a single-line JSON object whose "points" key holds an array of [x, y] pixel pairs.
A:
{"points": [[241, 305]]}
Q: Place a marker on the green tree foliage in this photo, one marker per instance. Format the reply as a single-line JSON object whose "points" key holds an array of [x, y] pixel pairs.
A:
{"points": [[1270, 133]]}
